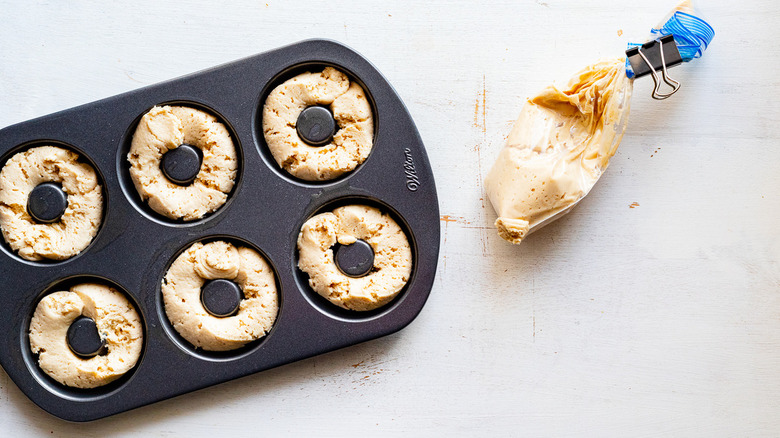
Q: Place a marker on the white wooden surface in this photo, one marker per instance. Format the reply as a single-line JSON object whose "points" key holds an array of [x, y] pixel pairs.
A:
{"points": [[657, 320]]}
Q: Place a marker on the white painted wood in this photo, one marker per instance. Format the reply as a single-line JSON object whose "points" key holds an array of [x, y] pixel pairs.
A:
{"points": [[658, 320]]}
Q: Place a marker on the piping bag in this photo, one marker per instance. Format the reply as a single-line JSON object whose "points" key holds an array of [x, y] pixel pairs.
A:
{"points": [[564, 138]]}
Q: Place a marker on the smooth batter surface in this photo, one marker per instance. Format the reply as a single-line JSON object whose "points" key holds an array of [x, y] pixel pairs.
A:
{"points": [[182, 285], [347, 101], [117, 322], [558, 148], [392, 256], [168, 127], [77, 227]]}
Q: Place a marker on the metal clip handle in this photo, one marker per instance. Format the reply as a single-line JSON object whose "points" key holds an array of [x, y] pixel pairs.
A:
{"points": [[645, 60]]}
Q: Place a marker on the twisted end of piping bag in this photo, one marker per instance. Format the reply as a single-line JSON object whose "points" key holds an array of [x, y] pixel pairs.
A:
{"points": [[691, 33]]}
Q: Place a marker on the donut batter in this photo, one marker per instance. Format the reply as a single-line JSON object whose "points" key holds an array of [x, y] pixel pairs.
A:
{"points": [[558, 149], [181, 290], [74, 231], [392, 256], [168, 127], [347, 101], [117, 322]]}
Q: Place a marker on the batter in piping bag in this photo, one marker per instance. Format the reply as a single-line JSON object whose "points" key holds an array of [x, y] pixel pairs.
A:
{"points": [[561, 145]]}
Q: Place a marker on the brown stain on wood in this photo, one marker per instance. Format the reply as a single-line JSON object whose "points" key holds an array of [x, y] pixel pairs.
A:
{"points": [[132, 78], [480, 122], [484, 107], [447, 220], [368, 368], [476, 112], [480, 109], [454, 219], [462, 223]]}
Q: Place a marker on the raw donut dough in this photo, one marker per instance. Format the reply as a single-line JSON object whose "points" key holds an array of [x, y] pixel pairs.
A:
{"points": [[347, 101], [168, 127], [189, 272], [77, 227], [392, 256], [117, 322], [558, 148]]}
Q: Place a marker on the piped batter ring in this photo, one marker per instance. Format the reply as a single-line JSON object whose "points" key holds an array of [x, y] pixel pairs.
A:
{"points": [[346, 226], [309, 156], [40, 223], [205, 328], [116, 320], [165, 129]]}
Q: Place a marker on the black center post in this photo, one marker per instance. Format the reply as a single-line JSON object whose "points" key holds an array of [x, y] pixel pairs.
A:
{"points": [[316, 125], [221, 297], [356, 259], [182, 165], [47, 203], [83, 338]]}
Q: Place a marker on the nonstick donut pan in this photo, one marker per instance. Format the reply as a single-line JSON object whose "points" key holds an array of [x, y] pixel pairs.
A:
{"points": [[265, 210]]}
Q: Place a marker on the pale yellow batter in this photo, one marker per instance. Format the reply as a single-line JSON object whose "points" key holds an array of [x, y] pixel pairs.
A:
{"points": [[350, 107], [558, 148], [392, 256], [181, 290], [168, 127], [77, 226], [117, 322]]}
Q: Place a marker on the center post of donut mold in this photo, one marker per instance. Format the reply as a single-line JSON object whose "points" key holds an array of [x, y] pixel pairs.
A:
{"points": [[182, 164], [47, 203], [84, 339], [354, 260], [316, 125], [221, 297]]}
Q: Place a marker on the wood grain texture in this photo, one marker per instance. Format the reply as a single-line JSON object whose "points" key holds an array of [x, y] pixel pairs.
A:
{"points": [[653, 309]]}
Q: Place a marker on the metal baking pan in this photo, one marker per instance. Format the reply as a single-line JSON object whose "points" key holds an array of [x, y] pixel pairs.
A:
{"points": [[135, 246]]}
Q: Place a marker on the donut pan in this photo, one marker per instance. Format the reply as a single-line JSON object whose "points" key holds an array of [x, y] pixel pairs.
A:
{"points": [[134, 246]]}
